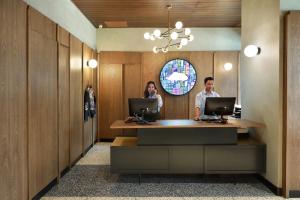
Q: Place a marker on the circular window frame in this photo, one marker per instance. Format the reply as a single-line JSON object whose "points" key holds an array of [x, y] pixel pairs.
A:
{"points": [[178, 95]]}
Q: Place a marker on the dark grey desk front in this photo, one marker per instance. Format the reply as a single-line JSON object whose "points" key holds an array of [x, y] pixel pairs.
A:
{"points": [[186, 147]]}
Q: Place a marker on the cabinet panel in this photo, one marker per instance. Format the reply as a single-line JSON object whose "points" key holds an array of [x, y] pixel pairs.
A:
{"points": [[64, 106], [76, 99], [13, 98], [139, 158], [186, 159], [236, 158], [42, 105]]}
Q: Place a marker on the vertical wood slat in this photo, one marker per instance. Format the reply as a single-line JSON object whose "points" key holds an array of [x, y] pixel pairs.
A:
{"points": [[110, 98], [95, 86], [291, 161], [63, 98], [13, 98], [76, 99], [42, 102]]}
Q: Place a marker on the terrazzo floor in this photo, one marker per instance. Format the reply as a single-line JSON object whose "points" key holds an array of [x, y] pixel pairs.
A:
{"points": [[90, 179]]}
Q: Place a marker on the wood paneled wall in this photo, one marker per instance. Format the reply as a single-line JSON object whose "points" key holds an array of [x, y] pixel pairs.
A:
{"points": [[63, 38], [41, 77], [76, 99], [13, 98], [291, 136], [125, 74], [42, 102]]}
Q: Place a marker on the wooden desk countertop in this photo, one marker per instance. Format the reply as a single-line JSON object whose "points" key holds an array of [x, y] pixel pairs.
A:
{"points": [[184, 123]]}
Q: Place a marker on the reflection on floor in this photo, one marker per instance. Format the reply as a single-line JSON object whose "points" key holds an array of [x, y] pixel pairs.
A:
{"points": [[90, 179]]}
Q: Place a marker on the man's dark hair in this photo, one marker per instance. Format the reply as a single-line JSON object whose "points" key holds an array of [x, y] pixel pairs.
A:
{"points": [[208, 79]]}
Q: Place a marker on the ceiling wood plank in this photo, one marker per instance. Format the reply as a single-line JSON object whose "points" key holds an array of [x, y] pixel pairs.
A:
{"points": [[153, 13]]}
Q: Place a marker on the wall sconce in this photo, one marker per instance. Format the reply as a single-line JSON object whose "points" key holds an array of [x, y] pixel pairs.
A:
{"points": [[92, 63], [228, 66], [252, 50]]}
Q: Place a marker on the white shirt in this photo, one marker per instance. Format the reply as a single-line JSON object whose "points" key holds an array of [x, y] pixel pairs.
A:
{"points": [[200, 101], [159, 100]]}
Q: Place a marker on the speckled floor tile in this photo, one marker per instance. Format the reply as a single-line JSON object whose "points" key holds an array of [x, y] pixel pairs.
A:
{"points": [[90, 179], [98, 155]]}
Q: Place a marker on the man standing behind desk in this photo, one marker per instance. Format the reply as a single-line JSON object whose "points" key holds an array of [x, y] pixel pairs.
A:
{"points": [[201, 98]]}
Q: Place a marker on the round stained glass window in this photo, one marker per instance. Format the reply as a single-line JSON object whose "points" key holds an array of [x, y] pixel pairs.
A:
{"points": [[178, 77]]}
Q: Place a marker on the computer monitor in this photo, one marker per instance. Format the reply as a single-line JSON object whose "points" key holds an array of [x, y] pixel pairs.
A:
{"points": [[219, 106], [144, 107]]}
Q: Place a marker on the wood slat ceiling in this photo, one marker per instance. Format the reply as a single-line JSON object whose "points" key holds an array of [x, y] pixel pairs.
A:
{"points": [[153, 13]]}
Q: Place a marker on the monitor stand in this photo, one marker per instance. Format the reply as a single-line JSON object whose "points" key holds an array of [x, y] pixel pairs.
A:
{"points": [[223, 120]]}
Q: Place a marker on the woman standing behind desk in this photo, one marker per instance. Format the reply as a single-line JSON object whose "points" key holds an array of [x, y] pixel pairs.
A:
{"points": [[151, 93]]}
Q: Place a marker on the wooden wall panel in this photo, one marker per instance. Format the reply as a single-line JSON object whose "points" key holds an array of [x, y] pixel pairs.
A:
{"points": [[87, 80], [63, 36], [76, 99], [110, 98], [42, 102], [64, 99], [226, 82], [291, 142], [120, 57], [95, 85], [132, 87], [203, 64], [42, 24], [151, 66], [13, 81], [176, 107]]}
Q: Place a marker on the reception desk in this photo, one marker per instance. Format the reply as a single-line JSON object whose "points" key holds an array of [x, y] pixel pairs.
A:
{"points": [[187, 146]]}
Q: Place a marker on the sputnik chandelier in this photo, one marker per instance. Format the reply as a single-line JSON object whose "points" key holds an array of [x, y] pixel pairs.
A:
{"points": [[173, 37]]}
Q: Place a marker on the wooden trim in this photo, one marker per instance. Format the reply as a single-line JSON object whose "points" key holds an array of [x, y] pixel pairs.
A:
{"points": [[45, 189], [277, 191], [284, 106]]}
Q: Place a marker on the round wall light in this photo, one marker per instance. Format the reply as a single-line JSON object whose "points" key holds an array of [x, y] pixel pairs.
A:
{"points": [[92, 63], [251, 50], [228, 66]]}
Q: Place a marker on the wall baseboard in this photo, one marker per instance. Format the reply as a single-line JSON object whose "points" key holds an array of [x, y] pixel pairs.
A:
{"points": [[66, 170], [294, 194], [277, 191], [105, 140], [45, 190]]}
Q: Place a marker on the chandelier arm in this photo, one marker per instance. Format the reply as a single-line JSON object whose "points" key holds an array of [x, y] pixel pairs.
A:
{"points": [[167, 31], [175, 44], [184, 37]]}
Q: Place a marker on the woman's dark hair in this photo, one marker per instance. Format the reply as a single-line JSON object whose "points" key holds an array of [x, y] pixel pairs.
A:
{"points": [[146, 93], [208, 79]]}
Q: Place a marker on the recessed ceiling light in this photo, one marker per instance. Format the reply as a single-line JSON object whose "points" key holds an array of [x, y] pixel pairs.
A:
{"points": [[100, 26]]}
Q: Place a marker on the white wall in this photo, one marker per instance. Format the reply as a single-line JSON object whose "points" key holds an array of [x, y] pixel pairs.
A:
{"points": [[132, 39], [261, 78], [68, 16], [286, 5]]}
